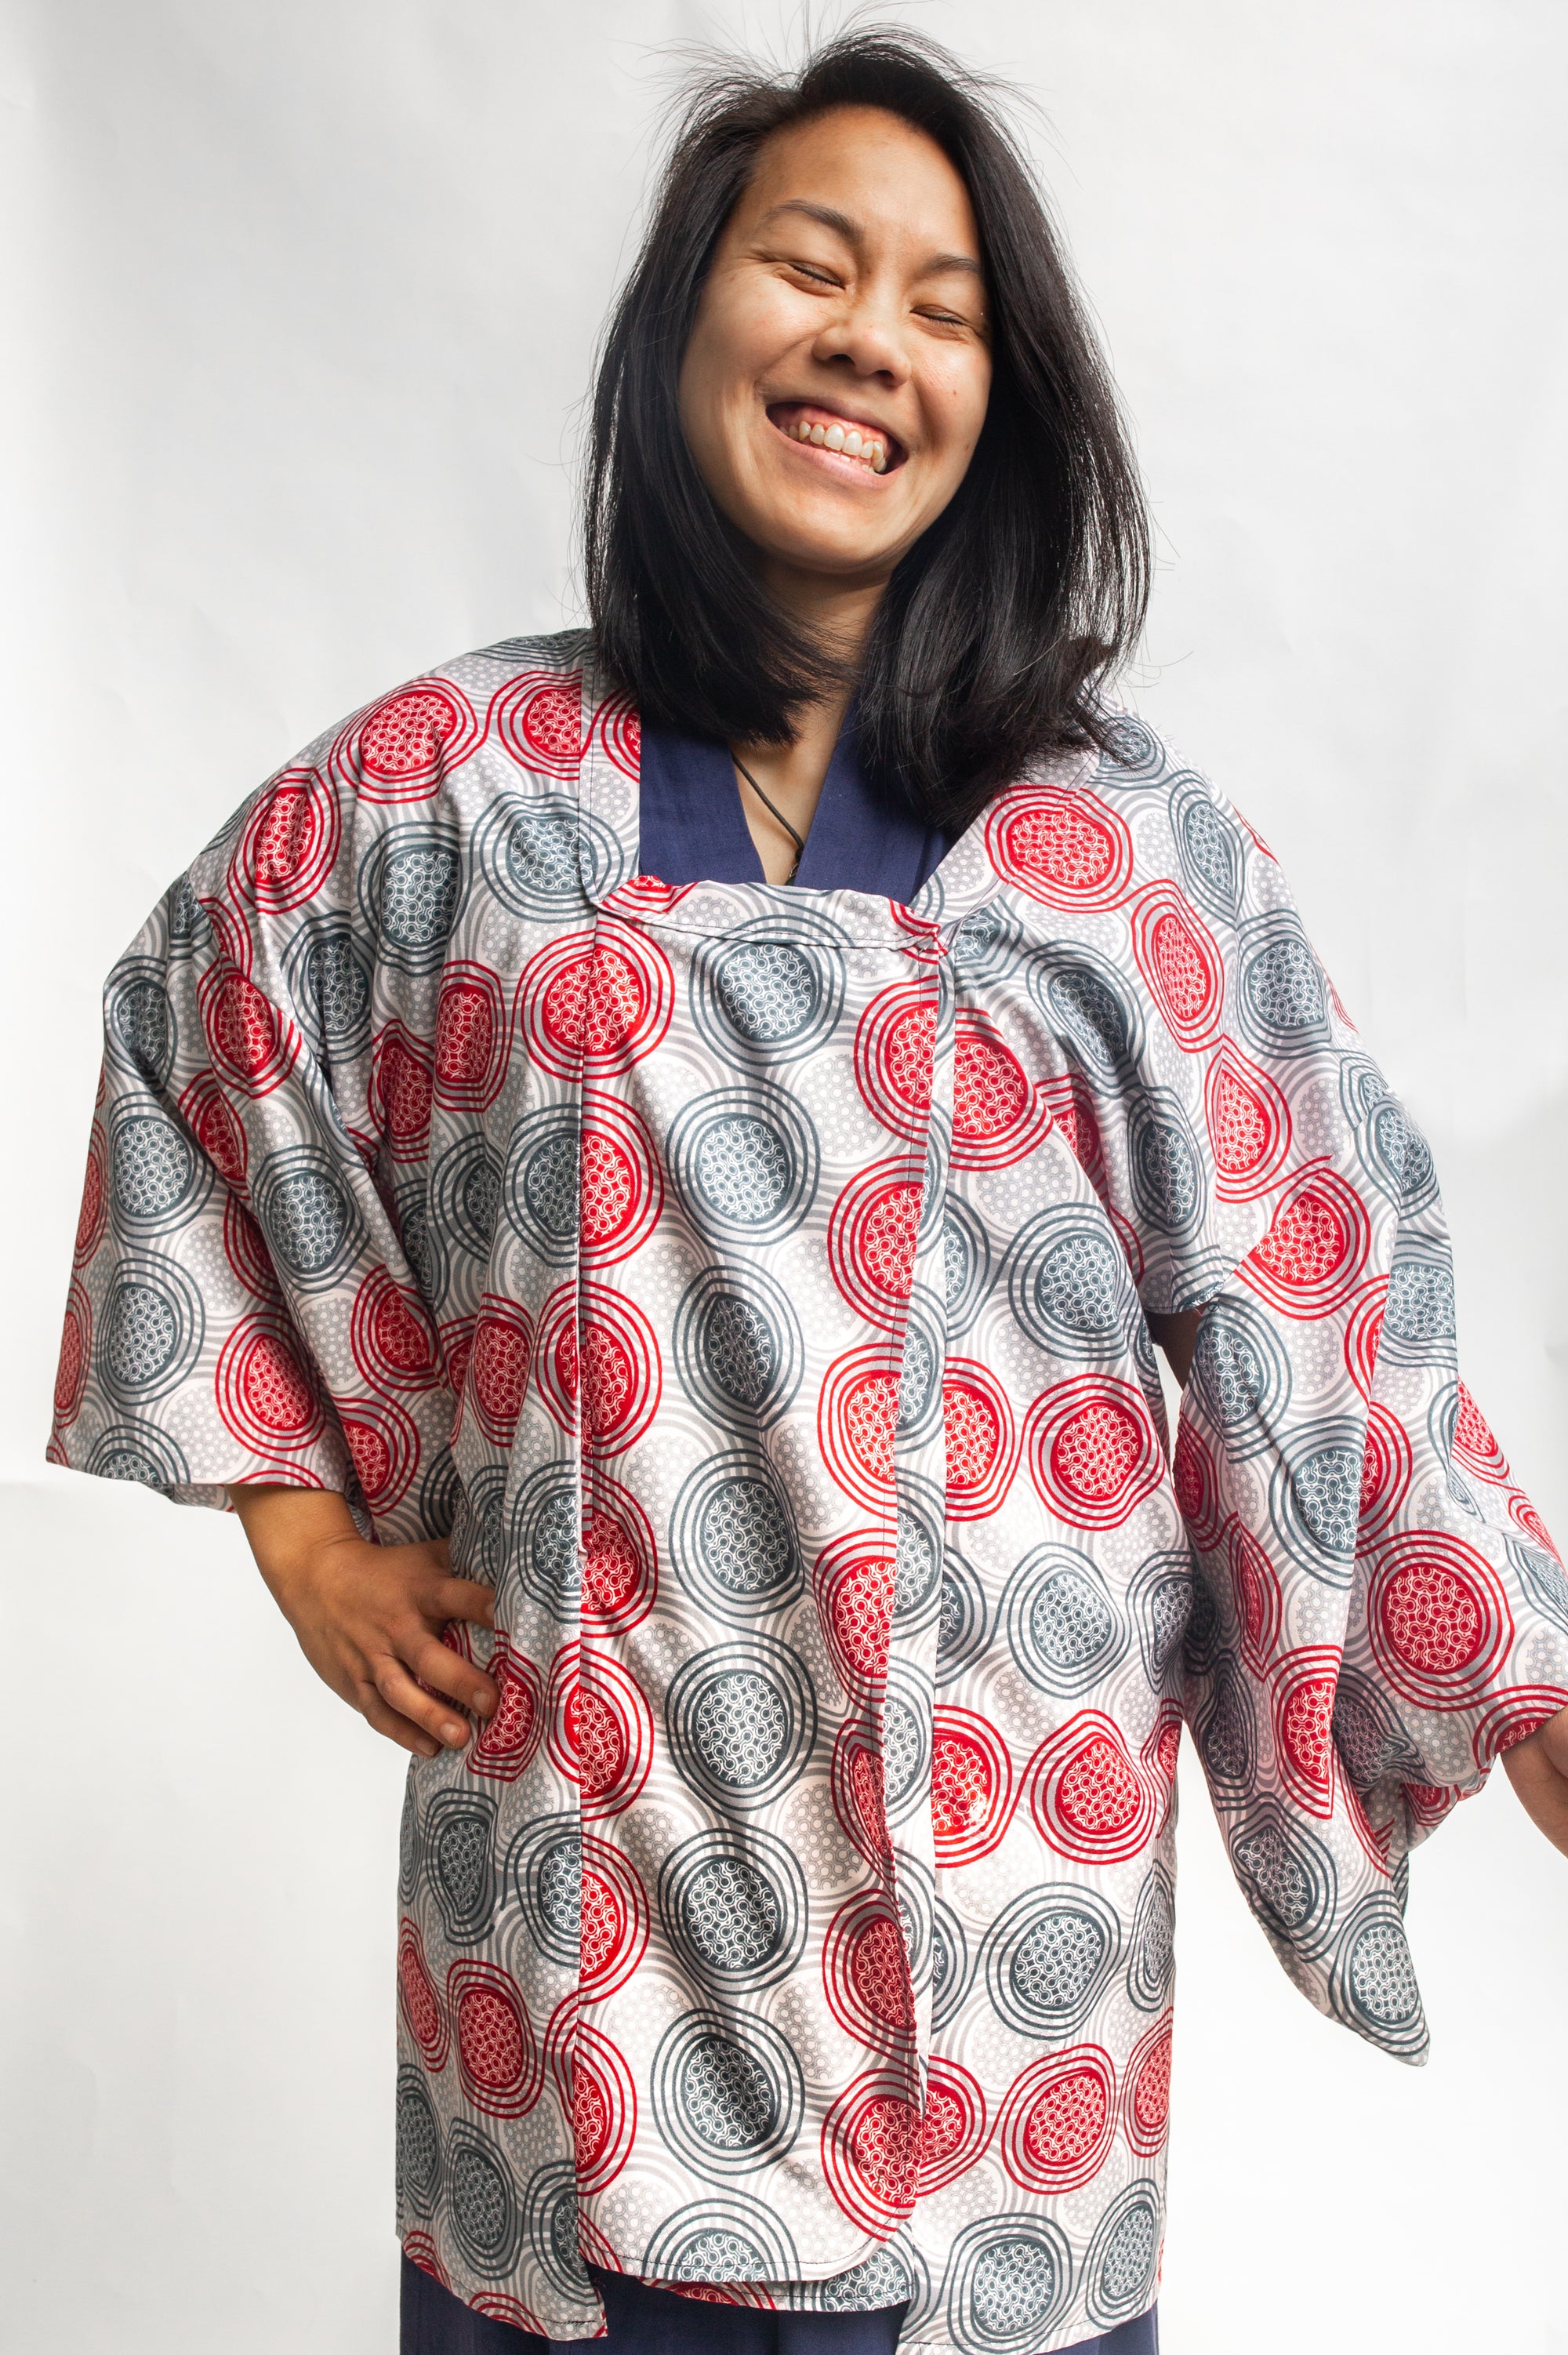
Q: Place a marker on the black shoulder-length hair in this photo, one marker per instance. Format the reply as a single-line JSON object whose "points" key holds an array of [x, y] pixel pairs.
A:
{"points": [[1030, 586]]}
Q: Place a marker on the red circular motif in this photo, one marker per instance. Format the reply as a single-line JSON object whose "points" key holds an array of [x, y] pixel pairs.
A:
{"points": [[593, 1003], [999, 1115], [508, 1742], [384, 1444], [95, 1198], [865, 1974], [614, 1920], [555, 1356], [855, 1785], [288, 843], [248, 1040], [498, 1367], [871, 1232], [207, 1114], [402, 748], [1305, 1683], [1065, 849], [402, 1081], [1523, 1515], [424, 2016], [870, 2151], [1476, 1450], [955, 2129], [420, 2250], [499, 2063], [1310, 1261], [1249, 1126], [472, 1038], [602, 2110], [895, 1046], [76, 1355], [1254, 1592], [972, 1794], [619, 729], [1178, 958], [1158, 1757], [265, 1392], [602, 1730], [1363, 1333], [1146, 2090], [1387, 1467], [1093, 1453], [1197, 1486], [853, 1579], [619, 1369], [620, 1183], [1056, 2124], [621, 1574], [980, 1439], [245, 1248], [857, 1415], [1513, 1716], [1438, 1617], [391, 1336], [538, 718], [1088, 1796]]}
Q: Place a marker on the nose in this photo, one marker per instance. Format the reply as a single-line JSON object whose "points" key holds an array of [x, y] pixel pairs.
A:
{"points": [[865, 336]]}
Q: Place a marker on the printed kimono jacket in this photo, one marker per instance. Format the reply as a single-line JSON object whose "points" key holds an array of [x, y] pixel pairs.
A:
{"points": [[753, 1281]]}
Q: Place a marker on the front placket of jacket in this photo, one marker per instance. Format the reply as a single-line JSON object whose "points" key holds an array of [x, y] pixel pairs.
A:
{"points": [[903, 1729]]}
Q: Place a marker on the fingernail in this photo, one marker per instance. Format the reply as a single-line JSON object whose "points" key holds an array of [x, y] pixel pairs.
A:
{"points": [[455, 1733]]}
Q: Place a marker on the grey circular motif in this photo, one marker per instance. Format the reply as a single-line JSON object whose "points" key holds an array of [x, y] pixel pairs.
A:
{"points": [[155, 1178], [1242, 1374], [1374, 1987], [1088, 1003], [1009, 2278], [1287, 1876], [1166, 1171], [1418, 1320], [150, 1330], [1068, 1285], [745, 1162], [738, 1347], [1065, 1630], [419, 2144], [734, 1907], [459, 1849], [544, 1538], [1281, 999], [728, 2093], [483, 2212], [741, 1720], [540, 1183], [732, 1538], [1210, 848], [1047, 1957], [736, 2239], [1315, 1497], [309, 1217], [1124, 2258], [139, 1030], [1151, 1961], [760, 999]]}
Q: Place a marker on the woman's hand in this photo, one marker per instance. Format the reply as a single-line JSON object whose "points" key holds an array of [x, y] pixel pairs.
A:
{"points": [[1538, 1769], [369, 1618]]}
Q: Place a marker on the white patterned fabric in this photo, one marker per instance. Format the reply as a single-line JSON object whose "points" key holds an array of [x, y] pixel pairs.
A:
{"points": [[753, 1281]]}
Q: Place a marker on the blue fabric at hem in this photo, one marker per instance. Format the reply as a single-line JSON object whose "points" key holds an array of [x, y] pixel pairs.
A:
{"points": [[644, 2321]]}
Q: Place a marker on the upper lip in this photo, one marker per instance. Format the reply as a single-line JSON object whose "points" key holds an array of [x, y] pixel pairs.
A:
{"points": [[851, 416]]}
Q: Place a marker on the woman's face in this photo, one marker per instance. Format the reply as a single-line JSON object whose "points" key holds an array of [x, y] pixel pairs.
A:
{"points": [[836, 379]]}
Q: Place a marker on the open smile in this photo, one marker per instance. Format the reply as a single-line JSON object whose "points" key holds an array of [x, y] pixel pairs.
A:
{"points": [[848, 444]]}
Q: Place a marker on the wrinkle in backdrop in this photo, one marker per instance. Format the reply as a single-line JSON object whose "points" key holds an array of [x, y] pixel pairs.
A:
{"points": [[303, 303]]}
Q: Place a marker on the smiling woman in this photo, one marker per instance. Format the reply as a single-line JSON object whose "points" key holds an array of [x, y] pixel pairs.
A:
{"points": [[649, 1166]]}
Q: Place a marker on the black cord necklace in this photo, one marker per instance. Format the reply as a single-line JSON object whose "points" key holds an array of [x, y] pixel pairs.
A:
{"points": [[798, 840]]}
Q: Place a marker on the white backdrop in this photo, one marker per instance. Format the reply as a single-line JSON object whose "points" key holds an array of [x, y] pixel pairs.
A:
{"points": [[301, 301]]}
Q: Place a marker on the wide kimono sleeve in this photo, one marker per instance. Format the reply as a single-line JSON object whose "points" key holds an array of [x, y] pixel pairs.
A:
{"points": [[249, 1300], [1379, 1610]]}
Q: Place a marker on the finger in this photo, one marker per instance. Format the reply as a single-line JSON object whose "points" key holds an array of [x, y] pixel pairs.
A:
{"points": [[435, 1666], [399, 1691], [382, 1720], [464, 1598]]}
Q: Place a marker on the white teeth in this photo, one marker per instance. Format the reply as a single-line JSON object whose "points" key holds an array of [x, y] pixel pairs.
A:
{"points": [[848, 441]]}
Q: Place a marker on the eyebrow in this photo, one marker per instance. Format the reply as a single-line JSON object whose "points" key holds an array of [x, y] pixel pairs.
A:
{"points": [[852, 234]]}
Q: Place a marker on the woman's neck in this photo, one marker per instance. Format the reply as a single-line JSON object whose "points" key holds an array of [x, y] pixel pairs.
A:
{"points": [[839, 613]]}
